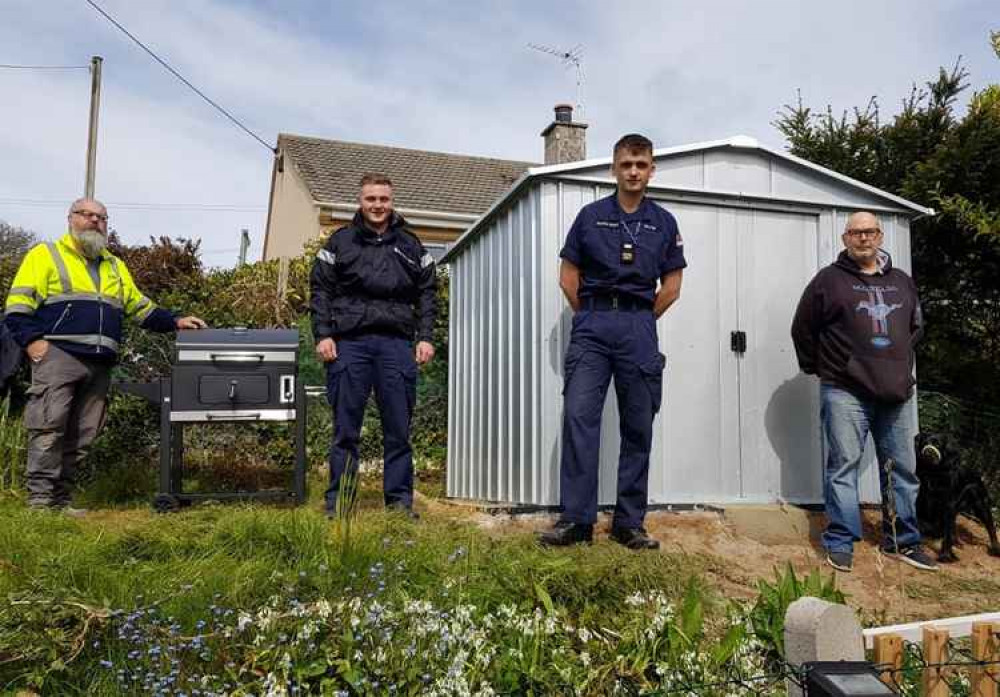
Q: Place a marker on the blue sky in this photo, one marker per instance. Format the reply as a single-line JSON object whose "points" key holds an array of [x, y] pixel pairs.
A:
{"points": [[451, 76]]}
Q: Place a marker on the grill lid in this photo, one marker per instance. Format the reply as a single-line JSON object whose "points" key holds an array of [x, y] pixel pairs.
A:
{"points": [[237, 339]]}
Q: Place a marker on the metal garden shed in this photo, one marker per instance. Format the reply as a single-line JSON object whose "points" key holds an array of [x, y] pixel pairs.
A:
{"points": [[735, 427]]}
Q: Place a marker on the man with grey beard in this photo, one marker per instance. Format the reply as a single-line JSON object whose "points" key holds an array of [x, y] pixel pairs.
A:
{"points": [[66, 308]]}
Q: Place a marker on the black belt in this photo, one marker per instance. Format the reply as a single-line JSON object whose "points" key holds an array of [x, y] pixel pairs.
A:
{"points": [[622, 303]]}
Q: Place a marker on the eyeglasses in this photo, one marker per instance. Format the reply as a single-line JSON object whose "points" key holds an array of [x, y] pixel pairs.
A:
{"points": [[866, 232], [91, 214]]}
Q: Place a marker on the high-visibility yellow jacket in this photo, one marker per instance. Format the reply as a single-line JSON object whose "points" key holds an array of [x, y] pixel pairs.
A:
{"points": [[79, 304]]}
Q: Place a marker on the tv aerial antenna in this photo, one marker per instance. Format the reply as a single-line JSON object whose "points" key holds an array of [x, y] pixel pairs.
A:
{"points": [[573, 58]]}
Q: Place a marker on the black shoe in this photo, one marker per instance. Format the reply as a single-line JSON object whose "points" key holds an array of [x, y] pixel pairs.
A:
{"points": [[565, 533], [914, 555], [405, 510], [634, 538], [841, 561]]}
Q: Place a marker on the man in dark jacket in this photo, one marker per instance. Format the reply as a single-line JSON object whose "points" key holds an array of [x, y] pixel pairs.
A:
{"points": [[374, 289], [855, 328]]}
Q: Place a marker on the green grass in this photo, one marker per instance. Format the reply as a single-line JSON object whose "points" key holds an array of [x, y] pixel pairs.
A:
{"points": [[245, 551], [63, 576], [13, 445]]}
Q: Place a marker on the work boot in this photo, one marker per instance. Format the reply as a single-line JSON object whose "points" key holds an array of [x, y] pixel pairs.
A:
{"points": [[634, 538], [565, 533], [405, 510]]}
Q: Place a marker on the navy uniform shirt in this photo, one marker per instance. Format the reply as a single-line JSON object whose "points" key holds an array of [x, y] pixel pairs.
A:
{"points": [[594, 244]]}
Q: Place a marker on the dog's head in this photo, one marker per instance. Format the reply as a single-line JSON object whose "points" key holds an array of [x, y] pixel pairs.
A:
{"points": [[930, 448]]}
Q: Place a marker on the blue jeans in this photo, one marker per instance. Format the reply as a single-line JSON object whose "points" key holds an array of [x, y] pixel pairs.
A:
{"points": [[847, 421]]}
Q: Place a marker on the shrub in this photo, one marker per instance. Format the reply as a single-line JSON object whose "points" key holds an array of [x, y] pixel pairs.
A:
{"points": [[768, 614], [170, 273], [14, 244], [13, 448]]}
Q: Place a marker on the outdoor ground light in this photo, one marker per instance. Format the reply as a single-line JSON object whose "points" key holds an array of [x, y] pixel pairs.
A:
{"points": [[843, 679]]}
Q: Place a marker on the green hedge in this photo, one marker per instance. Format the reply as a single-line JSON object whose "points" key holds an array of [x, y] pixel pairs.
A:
{"points": [[223, 457]]}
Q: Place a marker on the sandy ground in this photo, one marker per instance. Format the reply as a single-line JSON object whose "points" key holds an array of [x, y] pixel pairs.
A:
{"points": [[745, 547]]}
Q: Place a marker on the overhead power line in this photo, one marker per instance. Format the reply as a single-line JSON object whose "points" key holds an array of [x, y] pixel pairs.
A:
{"points": [[181, 77], [4, 66], [145, 206]]}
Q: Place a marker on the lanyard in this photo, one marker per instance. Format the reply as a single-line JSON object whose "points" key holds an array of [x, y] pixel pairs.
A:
{"points": [[634, 236]]}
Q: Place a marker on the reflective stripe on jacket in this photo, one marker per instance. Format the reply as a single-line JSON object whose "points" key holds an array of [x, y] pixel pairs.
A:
{"points": [[54, 296]]}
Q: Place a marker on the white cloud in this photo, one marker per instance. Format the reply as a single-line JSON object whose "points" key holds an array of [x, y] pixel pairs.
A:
{"points": [[433, 75]]}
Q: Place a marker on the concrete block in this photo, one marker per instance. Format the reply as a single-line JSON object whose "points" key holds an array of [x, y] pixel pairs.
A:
{"points": [[816, 630], [773, 525]]}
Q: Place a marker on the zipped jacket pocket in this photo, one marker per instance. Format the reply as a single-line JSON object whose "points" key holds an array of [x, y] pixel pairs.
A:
{"points": [[412, 264], [61, 318]]}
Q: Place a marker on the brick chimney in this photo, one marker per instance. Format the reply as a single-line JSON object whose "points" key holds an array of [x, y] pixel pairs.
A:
{"points": [[565, 141]]}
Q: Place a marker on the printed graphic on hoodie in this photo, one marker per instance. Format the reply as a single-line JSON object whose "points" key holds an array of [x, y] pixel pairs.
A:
{"points": [[878, 310]]}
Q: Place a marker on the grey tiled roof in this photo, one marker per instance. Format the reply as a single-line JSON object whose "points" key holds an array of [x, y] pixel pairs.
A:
{"points": [[433, 181]]}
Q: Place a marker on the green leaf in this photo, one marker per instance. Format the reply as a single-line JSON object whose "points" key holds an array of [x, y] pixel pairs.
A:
{"points": [[692, 613], [545, 598]]}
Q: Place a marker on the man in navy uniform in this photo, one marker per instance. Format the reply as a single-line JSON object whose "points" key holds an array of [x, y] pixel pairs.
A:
{"points": [[373, 292], [617, 252]]}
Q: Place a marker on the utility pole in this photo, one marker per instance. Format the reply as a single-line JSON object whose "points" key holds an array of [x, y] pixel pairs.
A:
{"points": [[95, 106], [244, 245]]}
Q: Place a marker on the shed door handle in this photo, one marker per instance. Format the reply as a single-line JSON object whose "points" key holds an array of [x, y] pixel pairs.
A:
{"points": [[738, 341]]}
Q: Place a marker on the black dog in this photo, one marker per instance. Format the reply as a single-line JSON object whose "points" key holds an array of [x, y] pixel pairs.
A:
{"points": [[947, 490]]}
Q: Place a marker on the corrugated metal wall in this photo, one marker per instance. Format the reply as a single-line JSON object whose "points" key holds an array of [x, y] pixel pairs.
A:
{"points": [[497, 354], [732, 428]]}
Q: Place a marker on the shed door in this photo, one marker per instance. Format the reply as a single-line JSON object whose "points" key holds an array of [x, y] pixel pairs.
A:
{"points": [[695, 457], [777, 256], [734, 427]]}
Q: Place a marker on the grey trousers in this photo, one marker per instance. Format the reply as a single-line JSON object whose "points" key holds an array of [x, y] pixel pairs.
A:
{"points": [[67, 403]]}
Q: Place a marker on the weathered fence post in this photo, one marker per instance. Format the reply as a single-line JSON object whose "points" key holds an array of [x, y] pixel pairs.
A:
{"points": [[816, 630], [935, 644], [985, 647], [889, 653]]}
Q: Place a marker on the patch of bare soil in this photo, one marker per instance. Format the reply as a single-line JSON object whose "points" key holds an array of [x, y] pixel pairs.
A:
{"points": [[883, 590]]}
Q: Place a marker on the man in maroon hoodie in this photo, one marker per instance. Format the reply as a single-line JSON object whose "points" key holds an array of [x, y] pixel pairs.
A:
{"points": [[855, 328]]}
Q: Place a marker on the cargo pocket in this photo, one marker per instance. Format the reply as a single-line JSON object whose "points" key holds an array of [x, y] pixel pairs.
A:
{"points": [[334, 376], [38, 409], [652, 375], [572, 361]]}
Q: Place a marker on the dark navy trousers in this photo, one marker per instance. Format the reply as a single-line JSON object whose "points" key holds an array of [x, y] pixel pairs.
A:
{"points": [[605, 344], [387, 364]]}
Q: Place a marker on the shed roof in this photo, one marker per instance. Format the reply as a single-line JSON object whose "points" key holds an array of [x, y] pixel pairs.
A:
{"points": [[424, 180], [815, 180]]}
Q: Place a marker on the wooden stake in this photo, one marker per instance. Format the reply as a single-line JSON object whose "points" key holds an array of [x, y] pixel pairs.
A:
{"points": [[985, 647], [935, 644], [889, 653]]}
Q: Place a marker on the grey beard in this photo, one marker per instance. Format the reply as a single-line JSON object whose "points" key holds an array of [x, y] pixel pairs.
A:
{"points": [[91, 242]]}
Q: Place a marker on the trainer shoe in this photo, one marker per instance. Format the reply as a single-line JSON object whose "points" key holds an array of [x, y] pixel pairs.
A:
{"points": [[565, 533], [634, 538], [914, 555], [841, 561]]}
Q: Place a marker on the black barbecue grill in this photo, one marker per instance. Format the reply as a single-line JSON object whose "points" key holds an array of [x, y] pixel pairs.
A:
{"points": [[227, 375]]}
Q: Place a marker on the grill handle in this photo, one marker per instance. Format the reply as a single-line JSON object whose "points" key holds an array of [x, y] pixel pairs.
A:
{"points": [[232, 417], [236, 357]]}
